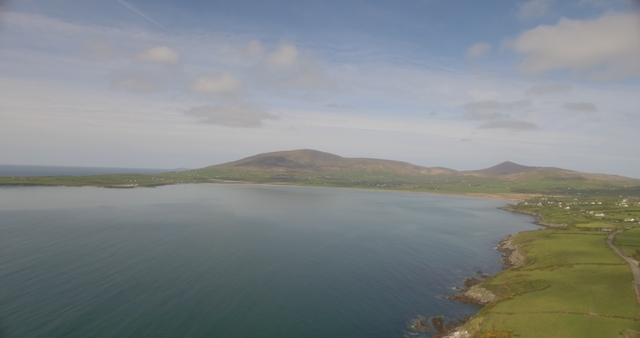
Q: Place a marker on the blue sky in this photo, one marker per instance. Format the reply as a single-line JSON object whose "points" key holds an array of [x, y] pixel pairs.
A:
{"points": [[461, 84]]}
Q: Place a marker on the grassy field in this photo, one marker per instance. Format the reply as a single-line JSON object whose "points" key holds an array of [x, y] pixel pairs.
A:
{"points": [[629, 242], [375, 180], [572, 284], [584, 212]]}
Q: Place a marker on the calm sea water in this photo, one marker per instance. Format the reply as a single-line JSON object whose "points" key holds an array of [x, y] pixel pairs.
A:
{"points": [[237, 260], [44, 170]]}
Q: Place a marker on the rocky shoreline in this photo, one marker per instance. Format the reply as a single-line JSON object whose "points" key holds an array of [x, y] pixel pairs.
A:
{"points": [[472, 293], [538, 217]]}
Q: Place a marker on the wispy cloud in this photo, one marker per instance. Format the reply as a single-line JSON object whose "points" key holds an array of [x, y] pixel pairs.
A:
{"points": [[217, 85], [144, 16], [98, 50], [338, 106], [512, 125], [584, 107], [287, 68], [549, 89], [492, 110], [240, 115], [160, 55], [479, 49], [285, 56]]}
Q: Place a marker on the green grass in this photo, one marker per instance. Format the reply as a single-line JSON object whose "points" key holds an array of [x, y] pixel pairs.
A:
{"points": [[561, 248], [629, 242], [593, 225], [352, 178], [629, 238], [573, 285], [558, 325]]}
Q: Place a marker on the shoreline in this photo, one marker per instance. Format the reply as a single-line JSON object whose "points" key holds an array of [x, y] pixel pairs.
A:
{"points": [[507, 197], [511, 258]]}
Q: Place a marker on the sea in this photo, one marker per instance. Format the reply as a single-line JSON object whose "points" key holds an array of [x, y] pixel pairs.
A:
{"points": [[215, 260], [45, 170]]}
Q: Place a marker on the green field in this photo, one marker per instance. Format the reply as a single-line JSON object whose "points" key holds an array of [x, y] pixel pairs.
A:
{"points": [[365, 179], [629, 242], [572, 285], [584, 212]]}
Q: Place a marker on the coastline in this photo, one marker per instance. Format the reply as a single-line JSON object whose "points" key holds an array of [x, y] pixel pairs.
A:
{"points": [[506, 197], [511, 258]]}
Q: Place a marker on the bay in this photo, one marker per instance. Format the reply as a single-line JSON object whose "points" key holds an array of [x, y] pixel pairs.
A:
{"points": [[238, 260]]}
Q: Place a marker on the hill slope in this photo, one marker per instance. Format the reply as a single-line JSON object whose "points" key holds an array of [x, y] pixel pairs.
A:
{"points": [[504, 168], [307, 160]]}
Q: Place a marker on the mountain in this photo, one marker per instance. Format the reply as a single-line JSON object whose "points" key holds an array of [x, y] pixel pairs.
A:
{"points": [[315, 168], [504, 168], [514, 172], [307, 160]]}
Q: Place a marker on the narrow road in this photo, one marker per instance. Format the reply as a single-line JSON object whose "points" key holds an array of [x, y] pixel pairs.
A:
{"points": [[634, 263]]}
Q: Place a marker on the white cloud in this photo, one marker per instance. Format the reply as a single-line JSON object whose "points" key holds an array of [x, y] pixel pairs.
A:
{"points": [[534, 9], [284, 56], [602, 49], [254, 47], [479, 49], [549, 89], [287, 68], [241, 115], [217, 85], [160, 55], [585, 107]]}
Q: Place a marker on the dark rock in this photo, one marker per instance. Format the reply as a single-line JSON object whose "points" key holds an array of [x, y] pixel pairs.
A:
{"points": [[469, 282]]}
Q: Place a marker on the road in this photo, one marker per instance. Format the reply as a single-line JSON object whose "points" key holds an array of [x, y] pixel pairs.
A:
{"points": [[634, 263]]}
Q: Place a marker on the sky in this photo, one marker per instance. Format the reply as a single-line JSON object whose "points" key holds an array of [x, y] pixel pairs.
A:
{"points": [[192, 83]]}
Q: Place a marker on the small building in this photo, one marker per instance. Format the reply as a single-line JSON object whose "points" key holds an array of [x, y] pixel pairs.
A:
{"points": [[606, 229], [600, 214]]}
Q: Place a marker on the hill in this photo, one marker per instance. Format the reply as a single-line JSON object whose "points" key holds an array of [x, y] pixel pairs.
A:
{"points": [[308, 160], [504, 168]]}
